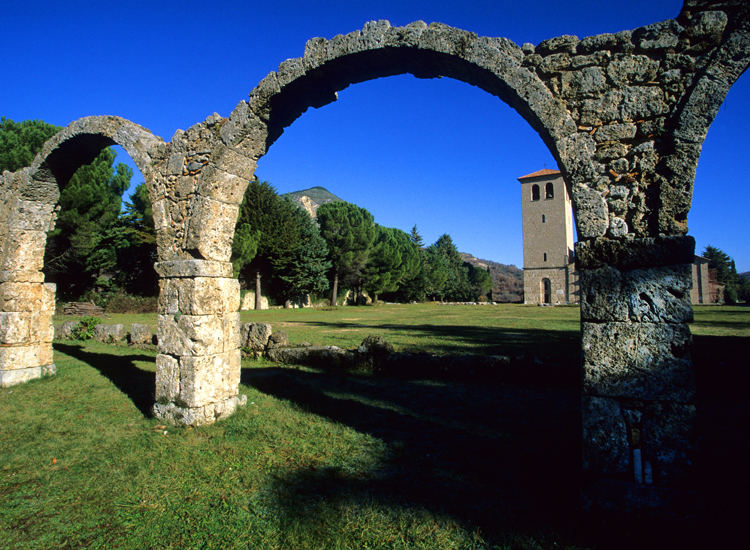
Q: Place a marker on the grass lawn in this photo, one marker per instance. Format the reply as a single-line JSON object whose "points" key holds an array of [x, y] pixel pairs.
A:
{"points": [[333, 460]]}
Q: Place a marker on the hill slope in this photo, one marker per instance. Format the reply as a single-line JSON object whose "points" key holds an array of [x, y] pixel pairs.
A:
{"points": [[507, 279], [311, 199]]}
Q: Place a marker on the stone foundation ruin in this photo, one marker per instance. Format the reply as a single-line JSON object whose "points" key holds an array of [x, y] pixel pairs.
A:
{"points": [[623, 114]]}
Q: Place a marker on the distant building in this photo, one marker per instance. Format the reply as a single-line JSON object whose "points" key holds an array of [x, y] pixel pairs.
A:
{"points": [[549, 270], [549, 274]]}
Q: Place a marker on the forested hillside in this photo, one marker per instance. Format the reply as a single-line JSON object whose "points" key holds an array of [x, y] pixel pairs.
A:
{"points": [[507, 280]]}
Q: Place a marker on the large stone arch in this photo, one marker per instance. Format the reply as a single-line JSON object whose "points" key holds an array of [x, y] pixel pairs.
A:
{"points": [[624, 114]]}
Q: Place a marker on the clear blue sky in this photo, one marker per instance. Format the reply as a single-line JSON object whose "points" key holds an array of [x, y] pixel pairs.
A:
{"points": [[436, 153]]}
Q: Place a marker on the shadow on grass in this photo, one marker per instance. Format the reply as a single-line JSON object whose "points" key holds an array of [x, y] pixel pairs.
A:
{"points": [[505, 458], [454, 339], [134, 382], [495, 457]]}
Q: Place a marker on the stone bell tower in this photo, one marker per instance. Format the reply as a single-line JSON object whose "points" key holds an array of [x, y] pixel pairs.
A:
{"points": [[549, 275]]}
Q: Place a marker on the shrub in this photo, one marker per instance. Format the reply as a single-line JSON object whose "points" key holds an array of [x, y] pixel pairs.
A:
{"points": [[122, 302], [84, 330]]}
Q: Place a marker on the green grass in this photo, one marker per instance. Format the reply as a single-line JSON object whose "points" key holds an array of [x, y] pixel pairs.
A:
{"points": [[721, 321], [330, 460]]}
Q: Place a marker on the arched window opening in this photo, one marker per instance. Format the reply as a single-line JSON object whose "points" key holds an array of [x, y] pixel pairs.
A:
{"points": [[550, 191], [545, 256], [534, 192], [546, 291], [544, 218]]}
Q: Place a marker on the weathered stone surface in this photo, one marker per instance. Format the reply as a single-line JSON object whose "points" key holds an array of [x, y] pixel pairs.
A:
{"points": [[140, 334], [591, 219], [255, 335], [167, 379], [605, 437], [64, 331], [208, 378], [198, 335], [638, 361], [24, 251], [248, 301], [670, 442], [656, 295], [328, 357], [14, 377], [193, 268], [632, 252], [109, 334], [21, 357], [14, 328], [278, 340], [210, 229], [199, 296], [199, 416]]}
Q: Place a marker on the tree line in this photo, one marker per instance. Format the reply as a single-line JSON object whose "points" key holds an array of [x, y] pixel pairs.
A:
{"points": [[282, 252]]}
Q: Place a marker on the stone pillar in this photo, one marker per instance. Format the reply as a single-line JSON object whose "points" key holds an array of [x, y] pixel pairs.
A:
{"points": [[198, 366], [28, 303], [639, 440]]}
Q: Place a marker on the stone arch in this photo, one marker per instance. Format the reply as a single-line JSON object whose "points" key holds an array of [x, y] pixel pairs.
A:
{"points": [[29, 197]]}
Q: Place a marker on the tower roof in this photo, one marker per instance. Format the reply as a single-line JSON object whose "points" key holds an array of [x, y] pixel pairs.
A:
{"points": [[538, 173]]}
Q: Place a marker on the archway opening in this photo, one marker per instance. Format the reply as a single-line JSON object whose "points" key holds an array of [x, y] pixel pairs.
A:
{"points": [[438, 154], [103, 242]]}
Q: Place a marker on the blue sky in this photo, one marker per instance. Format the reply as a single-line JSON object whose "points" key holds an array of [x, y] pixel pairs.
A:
{"points": [[436, 153]]}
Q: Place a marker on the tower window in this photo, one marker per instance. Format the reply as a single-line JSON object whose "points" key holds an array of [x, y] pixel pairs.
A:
{"points": [[545, 256], [534, 192], [550, 191], [544, 219]]}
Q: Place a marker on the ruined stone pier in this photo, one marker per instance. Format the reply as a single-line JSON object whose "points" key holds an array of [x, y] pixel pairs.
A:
{"points": [[624, 115]]}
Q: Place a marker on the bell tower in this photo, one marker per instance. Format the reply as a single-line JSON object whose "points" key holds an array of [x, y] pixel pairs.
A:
{"points": [[549, 275]]}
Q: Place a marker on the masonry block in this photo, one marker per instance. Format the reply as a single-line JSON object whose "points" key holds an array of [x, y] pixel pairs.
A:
{"points": [[167, 378], [638, 361], [199, 296], [652, 295], [605, 437], [198, 335], [209, 379]]}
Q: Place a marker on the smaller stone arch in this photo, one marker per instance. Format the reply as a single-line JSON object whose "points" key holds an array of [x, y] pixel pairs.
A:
{"points": [[28, 199]]}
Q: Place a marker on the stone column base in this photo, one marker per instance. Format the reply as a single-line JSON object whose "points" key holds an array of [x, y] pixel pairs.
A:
{"points": [[19, 376], [633, 499], [198, 416]]}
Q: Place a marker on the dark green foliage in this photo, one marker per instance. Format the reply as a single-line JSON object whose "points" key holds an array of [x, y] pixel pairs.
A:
{"points": [[277, 243], [84, 330], [349, 232], [480, 280], [393, 260], [456, 286], [136, 262], [307, 270], [21, 141], [268, 224]]}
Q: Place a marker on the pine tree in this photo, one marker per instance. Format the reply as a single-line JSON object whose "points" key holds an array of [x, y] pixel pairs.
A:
{"points": [[349, 232]]}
